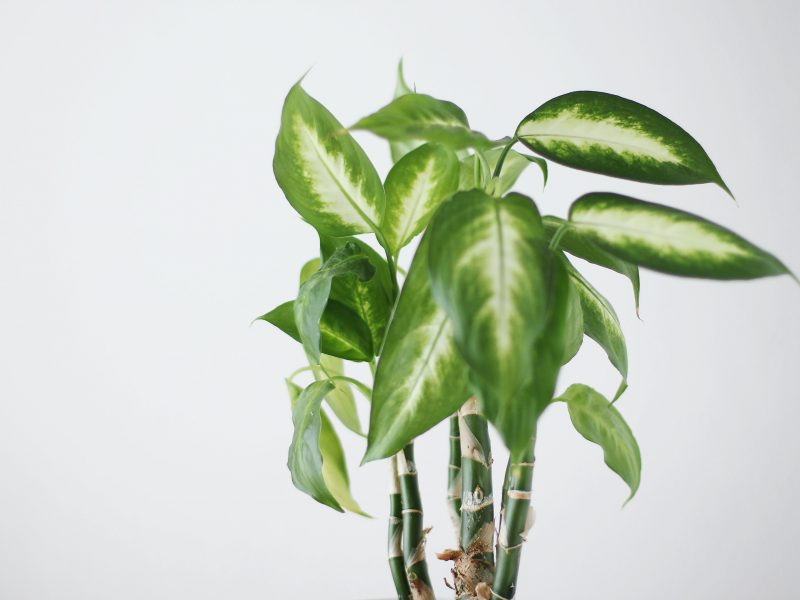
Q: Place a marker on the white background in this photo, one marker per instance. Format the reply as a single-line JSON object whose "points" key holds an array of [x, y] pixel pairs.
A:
{"points": [[144, 423]]}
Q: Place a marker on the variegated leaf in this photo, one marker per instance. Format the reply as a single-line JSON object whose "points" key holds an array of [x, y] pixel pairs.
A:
{"points": [[415, 187], [669, 240], [598, 421], [572, 241], [323, 172], [421, 379], [607, 134], [421, 117], [400, 149], [600, 322], [342, 333], [314, 293], [514, 165], [371, 300], [490, 271]]}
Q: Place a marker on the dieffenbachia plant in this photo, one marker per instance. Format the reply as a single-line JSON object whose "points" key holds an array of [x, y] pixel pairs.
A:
{"points": [[490, 309]]}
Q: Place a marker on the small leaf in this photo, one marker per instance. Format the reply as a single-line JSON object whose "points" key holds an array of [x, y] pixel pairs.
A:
{"points": [[599, 422], [313, 295], [489, 270], [305, 457], [415, 187], [323, 172], [308, 269], [669, 240], [514, 165], [341, 399], [400, 149], [342, 333], [607, 134], [421, 379], [371, 300], [421, 117], [572, 241], [600, 322]]}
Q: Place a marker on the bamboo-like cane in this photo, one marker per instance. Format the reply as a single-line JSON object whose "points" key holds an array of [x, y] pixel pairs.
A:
{"points": [[396, 560], [454, 488]]}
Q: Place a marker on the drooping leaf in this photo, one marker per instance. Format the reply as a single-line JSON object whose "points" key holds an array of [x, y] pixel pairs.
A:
{"points": [[572, 241], [342, 333], [600, 322], [341, 399], [669, 240], [371, 299], [305, 457], [415, 187], [570, 325], [421, 379], [514, 165], [334, 467], [599, 422], [313, 295], [489, 271], [607, 134], [323, 172], [400, 149], [421, 117]]}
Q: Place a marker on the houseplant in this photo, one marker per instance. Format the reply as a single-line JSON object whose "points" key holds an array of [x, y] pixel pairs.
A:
{"points": [[490, 309]]}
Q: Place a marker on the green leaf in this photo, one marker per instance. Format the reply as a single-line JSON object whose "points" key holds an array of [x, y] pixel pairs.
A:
{"points": [[313, 295], [599, 422], [514, 165], [334, 467], [421, 380], [600, 322], [421, 117], [400, 149], [607, 134], [571, 323], [572, 241], [415, 187], [305, 457], [308, 269], [342, 333], [669, 240], [371, 300], [489, 270], [341, 399], [323, 172]]}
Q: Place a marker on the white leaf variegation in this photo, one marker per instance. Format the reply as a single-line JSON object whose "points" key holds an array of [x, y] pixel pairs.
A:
{"points": [[607, 134], [669, 240], [421, 380], [415, 187], [323, 172], [490, 272]]}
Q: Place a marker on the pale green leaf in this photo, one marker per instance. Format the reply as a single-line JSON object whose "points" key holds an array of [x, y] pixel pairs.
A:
{"points": [[313, 295], [607, 134], [400, 149], [323, 172], [334, 467], [342, 333], [421, 379], [341, 399], [600, 322], [514, 165], [415, 187], [309, 268], [490, 271], [599, 422], [669, 240]]}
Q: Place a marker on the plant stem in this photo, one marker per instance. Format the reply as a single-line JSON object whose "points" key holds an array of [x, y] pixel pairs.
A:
{"points": [[413, 532], [476, 564], [517, 519], [396, 561], [499, 166], [454, 488]]}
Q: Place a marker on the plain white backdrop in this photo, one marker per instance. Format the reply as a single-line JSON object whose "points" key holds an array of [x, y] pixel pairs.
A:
{"points": [[144, 423]]}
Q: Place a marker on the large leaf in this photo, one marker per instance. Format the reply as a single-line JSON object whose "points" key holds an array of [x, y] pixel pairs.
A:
{"points": [[415, 187], [572, 241], [600, 322], [607, 134], [323, 172], [371, 299], [342, 333], [313, 295], [490, 271], [305, 457], [669, 240], [514, 165], [400, 149], [421, 380], [421, 117], [341, 399], [598, 421]]}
